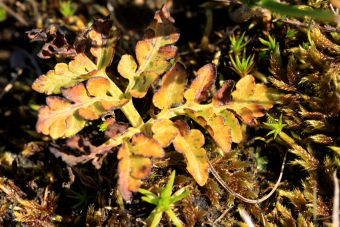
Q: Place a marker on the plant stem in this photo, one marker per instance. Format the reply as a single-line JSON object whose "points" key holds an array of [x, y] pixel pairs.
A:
{"points": [[132, 114], [296, 12], [128, 109], [173, 112]]}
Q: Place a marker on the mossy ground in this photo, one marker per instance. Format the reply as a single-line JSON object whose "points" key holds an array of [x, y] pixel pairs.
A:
{"points": [[38, 189]]}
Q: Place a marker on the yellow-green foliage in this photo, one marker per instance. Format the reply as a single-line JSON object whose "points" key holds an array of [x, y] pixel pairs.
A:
{"points": [[191, 120], [218, 113]]}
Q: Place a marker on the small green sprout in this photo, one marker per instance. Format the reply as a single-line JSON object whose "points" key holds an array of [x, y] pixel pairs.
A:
{"points": [[67, 8], [244, 65], [290, 34], [102, 127], [3, 14], [311, 42], [272, 47], [271, 44], [237, 44], [276, 125], [81, 197], [164, 202]]}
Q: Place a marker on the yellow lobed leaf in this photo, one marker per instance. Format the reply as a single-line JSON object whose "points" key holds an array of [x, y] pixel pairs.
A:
{"points": [[189, 142], [196, 156], [76, 93], [152, 54], [134, 184], [164, 132], [93, 107], [93, 111], [124, 172], [146, 147], [251, 100], [140, 167], [63, 75], [127, 66], [220, 132], [54, 124], [182, 127], [266, 96], [245, 88], [162, 19], [159, 66], [142, 83], [172, 89], [233, 123], [99, 87], [166, 52], [198, 116], [104, 40], [200, 87], [74, 123], [135, 163], [143, 51], [223, 95], [60, 118], [222, 125]]}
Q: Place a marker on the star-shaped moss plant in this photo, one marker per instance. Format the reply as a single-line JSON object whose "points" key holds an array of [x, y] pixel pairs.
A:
{"points": [[276, 125], [164, 203]]}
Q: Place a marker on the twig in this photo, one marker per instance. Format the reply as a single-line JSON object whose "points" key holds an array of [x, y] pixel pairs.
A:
{"points": [[336, 200], [298, 23], [9, 86], [246, 218], [222, 216], [221, 181], [14, 14]]}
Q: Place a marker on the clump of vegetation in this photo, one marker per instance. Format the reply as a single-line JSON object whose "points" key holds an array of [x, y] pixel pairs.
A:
{"points": [[164, 202], [113, 127], [67, 8], [66, 117]]}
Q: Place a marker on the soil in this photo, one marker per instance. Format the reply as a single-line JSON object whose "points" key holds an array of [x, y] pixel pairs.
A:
{"points": [[33, 180]]}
